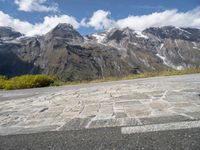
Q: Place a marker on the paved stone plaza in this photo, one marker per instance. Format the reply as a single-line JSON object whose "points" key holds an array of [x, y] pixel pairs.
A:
{"points": [[112, 104]]}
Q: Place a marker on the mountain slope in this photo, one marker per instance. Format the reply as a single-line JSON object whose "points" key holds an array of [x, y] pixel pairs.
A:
{"points": [[116, 52]]}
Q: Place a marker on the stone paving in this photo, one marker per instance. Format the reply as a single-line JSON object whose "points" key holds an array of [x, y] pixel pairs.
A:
{"points": [[120, 103]]}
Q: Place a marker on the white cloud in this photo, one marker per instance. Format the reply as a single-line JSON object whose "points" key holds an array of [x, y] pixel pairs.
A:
{"points": [[50, 22], [168, 17], [39, 28], [84, 22], [101, 20], [35, 5], [18, 25]]}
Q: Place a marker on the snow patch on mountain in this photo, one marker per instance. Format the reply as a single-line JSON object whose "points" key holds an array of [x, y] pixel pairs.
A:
{"points": [[140, 35], [182, 30], [99, 37], [195, 46], [179, 53], [161, 46]]}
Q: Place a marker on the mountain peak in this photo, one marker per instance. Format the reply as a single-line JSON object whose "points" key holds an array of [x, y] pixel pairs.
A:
{"points": [[65, 31], [119, 51], [8, 32], [174, 33], [64, 26]]}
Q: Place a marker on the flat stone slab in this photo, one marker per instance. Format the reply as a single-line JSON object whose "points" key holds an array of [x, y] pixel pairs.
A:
{"points": [[111, 104]]}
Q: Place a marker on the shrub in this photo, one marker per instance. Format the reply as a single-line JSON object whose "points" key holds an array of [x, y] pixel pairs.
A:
{"points": [[2, 82], [29, 81], [3, 79], [34, 81]]}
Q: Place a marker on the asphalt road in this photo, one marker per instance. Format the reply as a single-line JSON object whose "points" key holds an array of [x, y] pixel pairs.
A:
{"points": [[104, 138]]}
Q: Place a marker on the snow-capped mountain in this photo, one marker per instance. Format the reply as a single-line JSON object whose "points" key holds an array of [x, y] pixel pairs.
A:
{"points": [[115, 52]]}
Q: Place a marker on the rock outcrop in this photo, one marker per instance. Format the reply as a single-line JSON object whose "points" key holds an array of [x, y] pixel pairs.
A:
{"points": [[65, 53]]}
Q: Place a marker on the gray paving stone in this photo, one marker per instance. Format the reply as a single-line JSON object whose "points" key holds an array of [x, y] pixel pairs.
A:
{"points": [[133, 95], [196, 115], [10, 130], [76, 123], [128, 102], [105, 123], [120, 115], [164, 119], [120, 103], [37, 129]]}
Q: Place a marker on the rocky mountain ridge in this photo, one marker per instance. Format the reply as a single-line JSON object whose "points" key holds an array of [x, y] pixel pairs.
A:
{"points": [[70, 56]]}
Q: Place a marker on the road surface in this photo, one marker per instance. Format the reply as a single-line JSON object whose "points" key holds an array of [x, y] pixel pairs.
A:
{"points": [[153, 113]]}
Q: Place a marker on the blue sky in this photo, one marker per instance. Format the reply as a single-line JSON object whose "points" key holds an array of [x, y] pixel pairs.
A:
{"points": [[98, 14]]}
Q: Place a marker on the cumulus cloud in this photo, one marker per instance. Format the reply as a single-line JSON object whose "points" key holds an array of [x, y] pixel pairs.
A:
{"points": [[168, 17], [38, 28], [101, 20], [50, 22], [35, 5], [18, 25]]}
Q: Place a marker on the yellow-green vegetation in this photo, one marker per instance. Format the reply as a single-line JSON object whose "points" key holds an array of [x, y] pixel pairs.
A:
{"points": [[26, 81], [3, 79], [169, 72], [34, 81]]}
